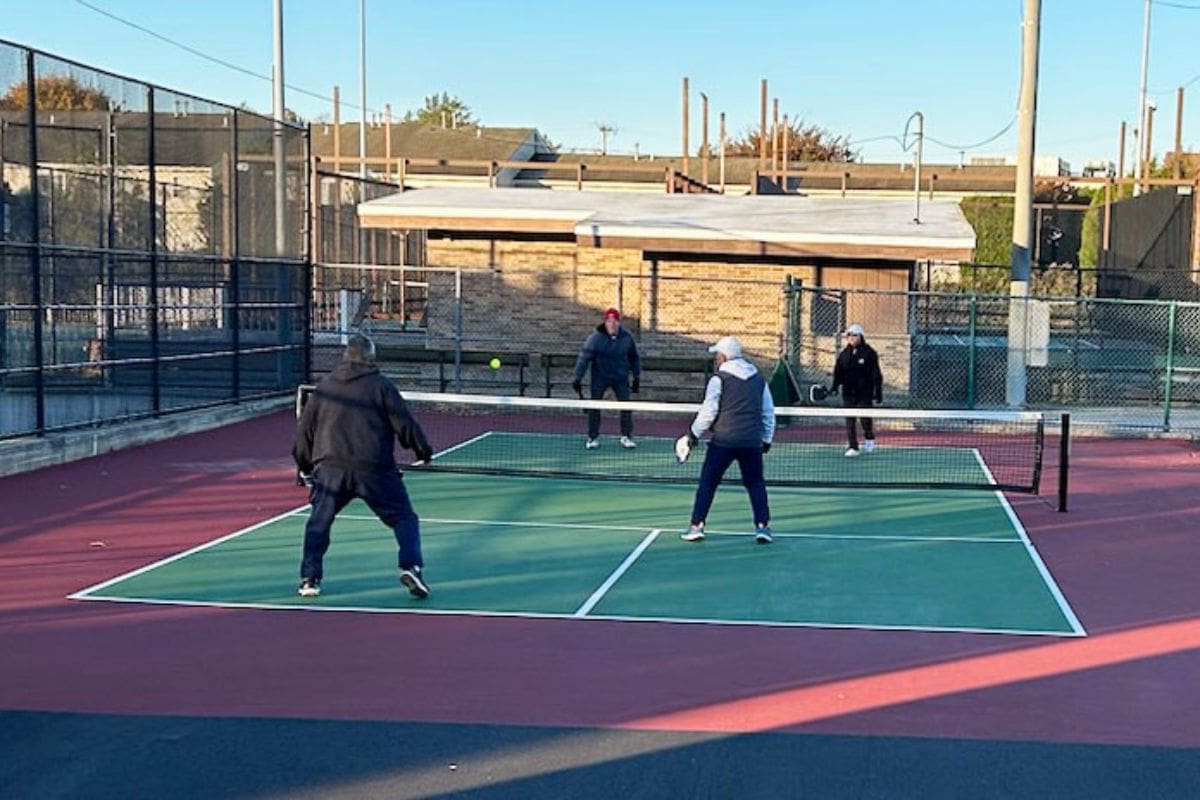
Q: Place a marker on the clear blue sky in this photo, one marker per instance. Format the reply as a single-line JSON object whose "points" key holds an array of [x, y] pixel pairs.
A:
{"points": [[857, 67]]}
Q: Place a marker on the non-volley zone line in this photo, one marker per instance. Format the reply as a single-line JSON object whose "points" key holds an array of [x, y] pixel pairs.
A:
{"points": [[885, 537]]}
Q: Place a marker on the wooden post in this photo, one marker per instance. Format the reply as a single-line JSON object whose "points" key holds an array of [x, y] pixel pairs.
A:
{"points": [[722, 165], [1178, 173], [387, 141], [762, 134], [579, 175], [932, 180], [775, 140], [845, 175], [754, 182], [685, 126], [1121, 153], [784, 156], [1108, 210], [228, 175], [337, 129], [668, 184], [704, 138], [315, 208], [403, 168], [491, 174]]}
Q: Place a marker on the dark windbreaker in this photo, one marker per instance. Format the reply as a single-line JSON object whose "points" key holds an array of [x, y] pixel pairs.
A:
{"points": [[352, 421]]}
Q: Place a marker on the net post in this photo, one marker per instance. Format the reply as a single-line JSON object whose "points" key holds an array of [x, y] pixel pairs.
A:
{"points": [[1064, 460]]}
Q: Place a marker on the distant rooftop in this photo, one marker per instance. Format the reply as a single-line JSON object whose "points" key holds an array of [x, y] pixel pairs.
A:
{"points": [[759, 225]]}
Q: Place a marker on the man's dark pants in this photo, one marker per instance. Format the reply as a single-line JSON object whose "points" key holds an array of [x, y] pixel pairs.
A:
{"points": [[383, 491], [717, 459], [867, 426], [621, 389]]}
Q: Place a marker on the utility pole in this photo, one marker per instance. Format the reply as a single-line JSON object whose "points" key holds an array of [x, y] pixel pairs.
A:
{"points": [[1141, 124], [704, 138], [1022, 235], [605, 130]]}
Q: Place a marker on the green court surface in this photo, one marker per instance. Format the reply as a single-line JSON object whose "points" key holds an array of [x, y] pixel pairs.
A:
{"points": [[883, 558]]}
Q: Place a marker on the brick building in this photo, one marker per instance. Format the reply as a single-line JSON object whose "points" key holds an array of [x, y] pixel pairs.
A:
{"points": [[534, 269]]}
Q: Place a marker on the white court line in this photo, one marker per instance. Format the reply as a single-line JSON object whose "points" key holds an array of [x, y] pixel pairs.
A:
{"points": [[1059, 598], [884, 537], [591, 602], [82, 594], [447, 612], [470, 441]]}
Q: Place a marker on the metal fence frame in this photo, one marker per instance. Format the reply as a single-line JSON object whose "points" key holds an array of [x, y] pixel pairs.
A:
{"points": [[281, 312]]}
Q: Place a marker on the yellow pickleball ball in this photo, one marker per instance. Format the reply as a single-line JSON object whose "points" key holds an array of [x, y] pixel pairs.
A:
{"points": [[494, 363]]}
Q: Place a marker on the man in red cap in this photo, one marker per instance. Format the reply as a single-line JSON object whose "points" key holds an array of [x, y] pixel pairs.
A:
{"points": [[613, 358]]}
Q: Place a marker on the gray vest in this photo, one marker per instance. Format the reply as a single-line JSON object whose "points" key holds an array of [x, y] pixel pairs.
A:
{"points": [[739, 416]]}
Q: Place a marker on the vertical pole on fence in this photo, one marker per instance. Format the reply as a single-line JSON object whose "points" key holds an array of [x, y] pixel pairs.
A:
{"points": [[1064, 461], [309, 238], [972, 316], [235, 267], [1170, 367], [458, 330], [35, 205], [155, 345]]}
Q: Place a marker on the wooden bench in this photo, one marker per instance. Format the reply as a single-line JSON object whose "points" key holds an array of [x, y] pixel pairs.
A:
{"points": [[650, 364], [510, 363]]}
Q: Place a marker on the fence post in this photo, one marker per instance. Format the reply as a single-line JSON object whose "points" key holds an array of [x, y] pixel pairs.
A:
{"points": [[458, 330], [39, 356], [1170, 367], [971, 353]]}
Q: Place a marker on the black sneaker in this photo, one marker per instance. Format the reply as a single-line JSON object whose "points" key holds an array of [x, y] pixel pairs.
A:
{"points": [[309, 587], [414, 582]]}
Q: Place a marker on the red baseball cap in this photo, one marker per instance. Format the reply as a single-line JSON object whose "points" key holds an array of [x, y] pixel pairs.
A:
{"points": [[613, 313]]}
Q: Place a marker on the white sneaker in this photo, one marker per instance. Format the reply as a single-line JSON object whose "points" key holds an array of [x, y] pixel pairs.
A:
{"points": [[869, 445], [695, 533], [851, 453], [628, 443], [592, 444]]}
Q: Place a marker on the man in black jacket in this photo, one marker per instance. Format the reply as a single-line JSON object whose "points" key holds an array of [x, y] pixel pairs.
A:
{"points": [[344, 449], [857, 374], [613, 357]]}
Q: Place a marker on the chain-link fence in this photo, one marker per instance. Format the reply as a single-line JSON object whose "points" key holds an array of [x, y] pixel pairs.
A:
{"points": [[943, 350], [152, 248], [939, 350]]}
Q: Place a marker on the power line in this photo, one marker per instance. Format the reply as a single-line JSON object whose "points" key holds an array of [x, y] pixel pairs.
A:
{"points": [[1184, 6], [974, 145], [211, 58]]}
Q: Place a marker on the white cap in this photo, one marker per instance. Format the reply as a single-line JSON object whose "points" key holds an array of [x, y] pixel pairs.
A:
{"points": [[729, 347], [855, 328]]}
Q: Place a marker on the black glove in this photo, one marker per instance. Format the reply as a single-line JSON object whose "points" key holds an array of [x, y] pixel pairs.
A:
{"points": [[878, 399], [766, 448], [304, 478], [636, 386], [578, 387], [692, 440], [423, 453]]}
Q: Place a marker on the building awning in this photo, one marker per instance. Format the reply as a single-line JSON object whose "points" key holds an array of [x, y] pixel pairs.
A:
{"points": [[818, 227]]}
